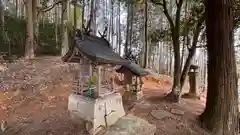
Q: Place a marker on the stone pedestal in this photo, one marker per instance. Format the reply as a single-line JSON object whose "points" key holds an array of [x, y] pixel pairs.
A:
{"points": [[193, 84], [103, 111]]}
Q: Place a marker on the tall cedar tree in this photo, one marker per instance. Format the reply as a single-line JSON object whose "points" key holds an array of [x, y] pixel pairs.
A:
{"points": [[221, 112]]}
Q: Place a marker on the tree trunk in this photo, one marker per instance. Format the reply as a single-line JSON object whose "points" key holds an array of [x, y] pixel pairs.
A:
{"points": [[119, 26], [65, 25], [192, 50], [186, 31], [174, 95], [170, 59], [35, 23], [17, 8], [29, 48], [146, 49], [83, 14], [1, 21], [177, 70], [175, 30], [183, 51], [93, 20], [221, 113], [75, 15], [128, 24], [112, 24], [56, 19], [131, 26], [23, 10]]}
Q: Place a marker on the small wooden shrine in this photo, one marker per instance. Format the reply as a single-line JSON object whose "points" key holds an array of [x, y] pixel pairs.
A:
{"points": [[133, 74], [94, 98]]}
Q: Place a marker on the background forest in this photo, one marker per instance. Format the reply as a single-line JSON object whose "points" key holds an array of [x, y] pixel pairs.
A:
{"points": [[133, 26], [166, 36]]}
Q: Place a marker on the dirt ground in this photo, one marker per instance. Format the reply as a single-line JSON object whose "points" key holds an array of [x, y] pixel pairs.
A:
{"points": [[45, 112]]}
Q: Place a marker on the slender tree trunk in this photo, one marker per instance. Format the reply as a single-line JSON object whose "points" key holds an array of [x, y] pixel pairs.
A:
{"points": [[111, 28], [35, 23], [75, 15], [177, 70], [186, 31], [183, 51], [1, 21], [29, 48], [93, 13], [170, 59], [56, 18], [65, 30], [118, 27], [128, 24], [192, 50], [175, 30], [221, 113], [83, 13], [23, 10], [131, 26], [17, 8], [146, 49]]}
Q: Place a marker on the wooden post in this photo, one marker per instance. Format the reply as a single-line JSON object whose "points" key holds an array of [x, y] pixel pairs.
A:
{"points": [[81, 76], [98, 86], [113, 81], [90, 69]]}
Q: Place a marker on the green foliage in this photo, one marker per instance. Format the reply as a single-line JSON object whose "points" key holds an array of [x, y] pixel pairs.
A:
{"points": [[236, 13], [159, 35], [78, 14], [187, 22], [47, 40], [135, 2], [15, 36], [92, 80]]}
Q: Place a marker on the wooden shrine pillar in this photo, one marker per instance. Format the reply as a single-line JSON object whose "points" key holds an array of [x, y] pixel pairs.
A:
{"points": [[99, 80], [90, 70], [112, 80], [128, 80]]}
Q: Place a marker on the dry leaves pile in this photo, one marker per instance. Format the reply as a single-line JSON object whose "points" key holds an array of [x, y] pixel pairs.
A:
{"points": [[35, 74]]}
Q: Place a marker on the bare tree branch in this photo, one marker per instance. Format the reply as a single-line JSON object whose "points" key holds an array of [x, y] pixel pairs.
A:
{"points": [[165, 11], [103, 35], [197, 30], [46, 9]]}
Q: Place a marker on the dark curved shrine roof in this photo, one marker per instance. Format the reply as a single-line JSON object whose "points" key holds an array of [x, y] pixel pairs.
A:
{"points": [[98, 50], [134, 68]]}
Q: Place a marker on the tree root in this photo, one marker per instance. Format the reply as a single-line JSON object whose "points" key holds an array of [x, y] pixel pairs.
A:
{"points": [[173, 97], [191, 96]]}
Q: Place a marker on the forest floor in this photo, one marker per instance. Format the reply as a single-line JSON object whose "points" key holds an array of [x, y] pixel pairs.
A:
{"points": [[44, 112]]}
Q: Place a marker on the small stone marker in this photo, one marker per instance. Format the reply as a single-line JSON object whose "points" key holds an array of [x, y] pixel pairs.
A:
{"points": [[159, 114], [176, 111]]}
